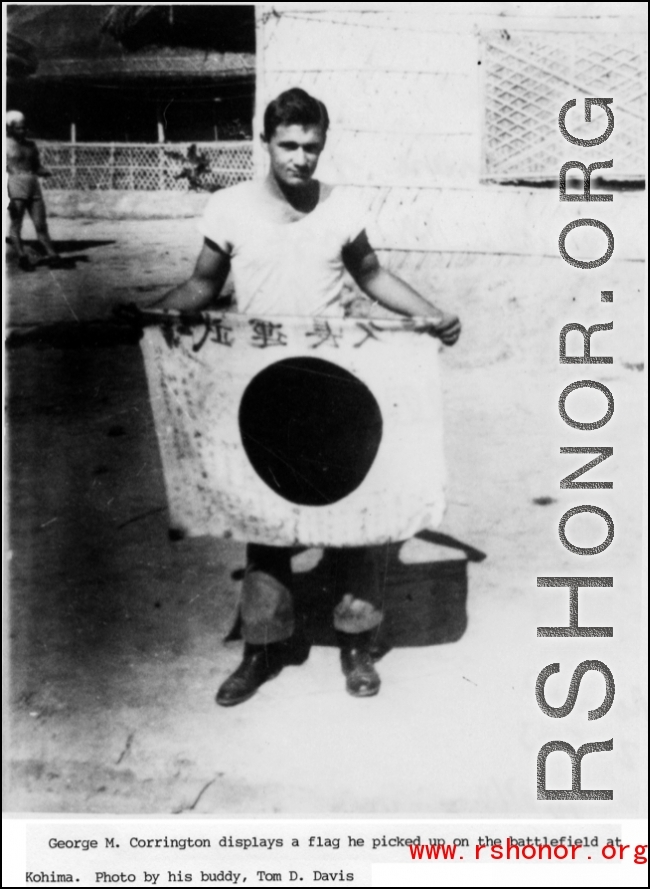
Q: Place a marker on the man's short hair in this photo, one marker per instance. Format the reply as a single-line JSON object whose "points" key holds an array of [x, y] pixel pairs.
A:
{"points": [[294, 106]]}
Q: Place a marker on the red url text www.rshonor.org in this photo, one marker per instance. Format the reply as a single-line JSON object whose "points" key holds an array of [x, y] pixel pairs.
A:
{"points": [[541, 852]]}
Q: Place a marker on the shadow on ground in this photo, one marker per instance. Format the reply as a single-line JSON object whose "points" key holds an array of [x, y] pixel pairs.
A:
{"points": [[69, 245]]}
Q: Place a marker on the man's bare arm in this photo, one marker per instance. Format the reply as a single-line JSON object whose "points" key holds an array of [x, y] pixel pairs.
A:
{"points": [[389, 290], [207, 279], [38, 167]]}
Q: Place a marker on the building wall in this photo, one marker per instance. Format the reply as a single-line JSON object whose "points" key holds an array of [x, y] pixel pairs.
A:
{"points": [[406, 90], [407, 99]]}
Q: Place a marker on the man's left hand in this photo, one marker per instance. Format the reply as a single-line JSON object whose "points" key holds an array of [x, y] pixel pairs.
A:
{"points": [[447, 328]]}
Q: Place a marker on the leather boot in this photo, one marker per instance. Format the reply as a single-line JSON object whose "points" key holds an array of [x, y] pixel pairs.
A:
{"points": [[259, 664], [362, 680]]}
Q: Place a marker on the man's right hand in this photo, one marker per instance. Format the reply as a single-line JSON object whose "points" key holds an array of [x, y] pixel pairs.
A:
{"points": [[205, 285]]}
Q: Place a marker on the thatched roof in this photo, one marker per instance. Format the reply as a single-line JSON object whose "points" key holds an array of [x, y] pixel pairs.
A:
{"points": [[221, 28], [121, 20], [21, 57], [163, 64], [75, 42], [63, 30]]}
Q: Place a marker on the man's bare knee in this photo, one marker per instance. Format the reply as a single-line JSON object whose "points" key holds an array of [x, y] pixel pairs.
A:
{"points": [[16, 211]]}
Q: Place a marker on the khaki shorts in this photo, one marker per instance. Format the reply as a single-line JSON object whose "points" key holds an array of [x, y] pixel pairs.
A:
{"points": [[24, 187]]}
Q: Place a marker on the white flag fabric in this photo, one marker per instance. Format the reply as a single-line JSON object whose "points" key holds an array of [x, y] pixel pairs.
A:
{"points": [[297, 431]]}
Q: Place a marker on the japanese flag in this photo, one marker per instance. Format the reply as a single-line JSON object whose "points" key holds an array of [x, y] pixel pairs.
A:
{"points": [[297, 431]]}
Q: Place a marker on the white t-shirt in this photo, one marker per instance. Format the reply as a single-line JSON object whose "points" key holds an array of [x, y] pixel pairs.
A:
{"points": [[281, 267]]}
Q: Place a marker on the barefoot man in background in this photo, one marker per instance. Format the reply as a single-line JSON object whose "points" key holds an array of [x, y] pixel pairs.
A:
{"points": [[289, 239], [23, 170]]}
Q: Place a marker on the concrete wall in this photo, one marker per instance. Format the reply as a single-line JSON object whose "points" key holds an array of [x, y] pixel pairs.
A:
{"points": [[107, 204], [403, 86]]}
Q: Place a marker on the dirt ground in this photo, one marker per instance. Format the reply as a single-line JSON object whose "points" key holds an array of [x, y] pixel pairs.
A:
{"points": [[117, 633]]}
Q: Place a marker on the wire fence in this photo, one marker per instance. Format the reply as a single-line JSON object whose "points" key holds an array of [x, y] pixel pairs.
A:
{"points": [[199, 166], [528, 77]]}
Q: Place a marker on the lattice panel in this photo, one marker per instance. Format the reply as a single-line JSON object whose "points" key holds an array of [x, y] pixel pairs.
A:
{"points": [[530, 75], [146, 167]]}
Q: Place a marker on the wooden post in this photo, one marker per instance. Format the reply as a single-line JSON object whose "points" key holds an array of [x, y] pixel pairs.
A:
{"points": [[160, 125]]}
